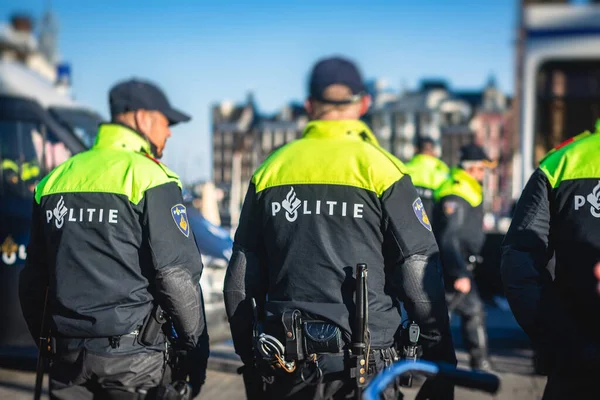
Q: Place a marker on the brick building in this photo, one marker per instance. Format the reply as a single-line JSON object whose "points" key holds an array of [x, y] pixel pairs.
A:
{"points": [[242, 138]]}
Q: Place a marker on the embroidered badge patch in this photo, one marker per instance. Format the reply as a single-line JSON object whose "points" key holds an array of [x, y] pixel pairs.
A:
{"points": [[449, 207], [179, 214], [421, 214]]}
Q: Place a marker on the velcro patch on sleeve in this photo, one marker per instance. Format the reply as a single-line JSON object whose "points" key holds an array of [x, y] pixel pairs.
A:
{"points": [[449, 207], [419, 210], [180, 217]]}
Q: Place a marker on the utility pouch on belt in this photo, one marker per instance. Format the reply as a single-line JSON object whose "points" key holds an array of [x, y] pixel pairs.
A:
{"points": [[293, 335], [152, 328], [322, 337]]}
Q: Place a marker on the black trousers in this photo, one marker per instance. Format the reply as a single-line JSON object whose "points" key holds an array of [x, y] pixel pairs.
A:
{"points": [[559, 387], [84, 374], [471, 310], [573, 372]]}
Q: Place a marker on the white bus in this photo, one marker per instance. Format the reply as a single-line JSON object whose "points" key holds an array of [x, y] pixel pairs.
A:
{"points": [[560, 73]]}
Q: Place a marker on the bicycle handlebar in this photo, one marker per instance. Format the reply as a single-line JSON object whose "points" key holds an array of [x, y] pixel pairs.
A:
{"points": [[466, 378], [471, 379]]}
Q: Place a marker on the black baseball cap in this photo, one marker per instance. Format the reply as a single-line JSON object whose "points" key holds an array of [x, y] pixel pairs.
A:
{"points": [[473, 152], [134, 94], [336, 70]]}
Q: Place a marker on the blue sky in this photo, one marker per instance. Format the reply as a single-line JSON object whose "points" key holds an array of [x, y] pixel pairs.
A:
{"points": [[202, 52]]}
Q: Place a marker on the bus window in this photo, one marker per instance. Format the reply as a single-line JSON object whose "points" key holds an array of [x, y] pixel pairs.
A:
{"points": [[54, 151], [567, 102], [19, 162], [83, 123]]}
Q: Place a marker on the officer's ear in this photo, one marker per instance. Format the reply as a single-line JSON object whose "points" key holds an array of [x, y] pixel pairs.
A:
{"points": [[308, 106], [143, 121], [365, 103]]}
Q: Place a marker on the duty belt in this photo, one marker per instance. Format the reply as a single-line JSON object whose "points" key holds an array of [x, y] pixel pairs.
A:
{"points": [[112, 344]]}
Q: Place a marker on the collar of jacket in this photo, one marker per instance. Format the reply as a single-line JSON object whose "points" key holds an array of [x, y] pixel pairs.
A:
{"points": [[121, 137], [466, 186], [428, 161], [343, 129]]}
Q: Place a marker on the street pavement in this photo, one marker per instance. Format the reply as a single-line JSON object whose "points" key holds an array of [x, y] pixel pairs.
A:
{"points": [[509, 347]]}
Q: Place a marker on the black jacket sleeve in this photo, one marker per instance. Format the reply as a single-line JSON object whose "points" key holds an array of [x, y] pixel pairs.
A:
{"points": [[246, 277], [176, 260], [526, 252], [411, 251], [452, 213], [34, 278]]}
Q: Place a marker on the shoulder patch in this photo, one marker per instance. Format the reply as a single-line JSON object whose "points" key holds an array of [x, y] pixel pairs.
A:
{"points": [[419, 210], [449, 207], [180, 217]]}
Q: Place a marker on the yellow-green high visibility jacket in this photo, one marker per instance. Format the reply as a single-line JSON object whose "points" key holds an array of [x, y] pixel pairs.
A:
{"points": [[427, 174], [110, 237], [558, 215], [458, 223], [314, 209]]}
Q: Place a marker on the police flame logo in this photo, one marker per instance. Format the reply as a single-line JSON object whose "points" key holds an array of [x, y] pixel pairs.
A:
{"points": [[291, 204], [594, 199]]}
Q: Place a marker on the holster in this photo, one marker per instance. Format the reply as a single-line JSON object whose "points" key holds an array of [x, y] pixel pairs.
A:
{"points": [[409, 350], [293, 335], [151, 331]]}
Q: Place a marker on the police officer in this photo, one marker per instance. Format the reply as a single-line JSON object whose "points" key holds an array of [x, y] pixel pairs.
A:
{"points": [[110, 239], [559, 214], [458, 222], [313, 210], [427, 172], [18, 177]]}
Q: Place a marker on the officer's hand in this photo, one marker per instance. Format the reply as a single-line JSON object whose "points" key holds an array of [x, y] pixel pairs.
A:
{"points": [[597, 273], [191, 366], [197, 363], [462, 285]]}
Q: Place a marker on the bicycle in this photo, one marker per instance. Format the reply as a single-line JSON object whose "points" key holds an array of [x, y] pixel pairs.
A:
{"points": [[482, 381]]}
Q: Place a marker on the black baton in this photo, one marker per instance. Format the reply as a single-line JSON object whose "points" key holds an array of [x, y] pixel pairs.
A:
{"points": [[359, 345]]}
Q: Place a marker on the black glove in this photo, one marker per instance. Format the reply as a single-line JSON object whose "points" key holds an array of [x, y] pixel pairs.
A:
{"points": [[190, 364], [197, 362]]}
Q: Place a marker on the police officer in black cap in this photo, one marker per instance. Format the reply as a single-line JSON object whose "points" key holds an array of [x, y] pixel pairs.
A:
{"points": [[313, 210], [111, 245], [458, 223]]}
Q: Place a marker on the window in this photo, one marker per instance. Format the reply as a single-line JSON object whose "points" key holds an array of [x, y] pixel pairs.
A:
{"points": [[567, 102], [291, 136], [25, 156], [56, 152], [227, 174], [279, 138], [217, 139], [425, 118], [82, 123], [217, 174], [266, 141], [378, 121], [399, 121]]}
